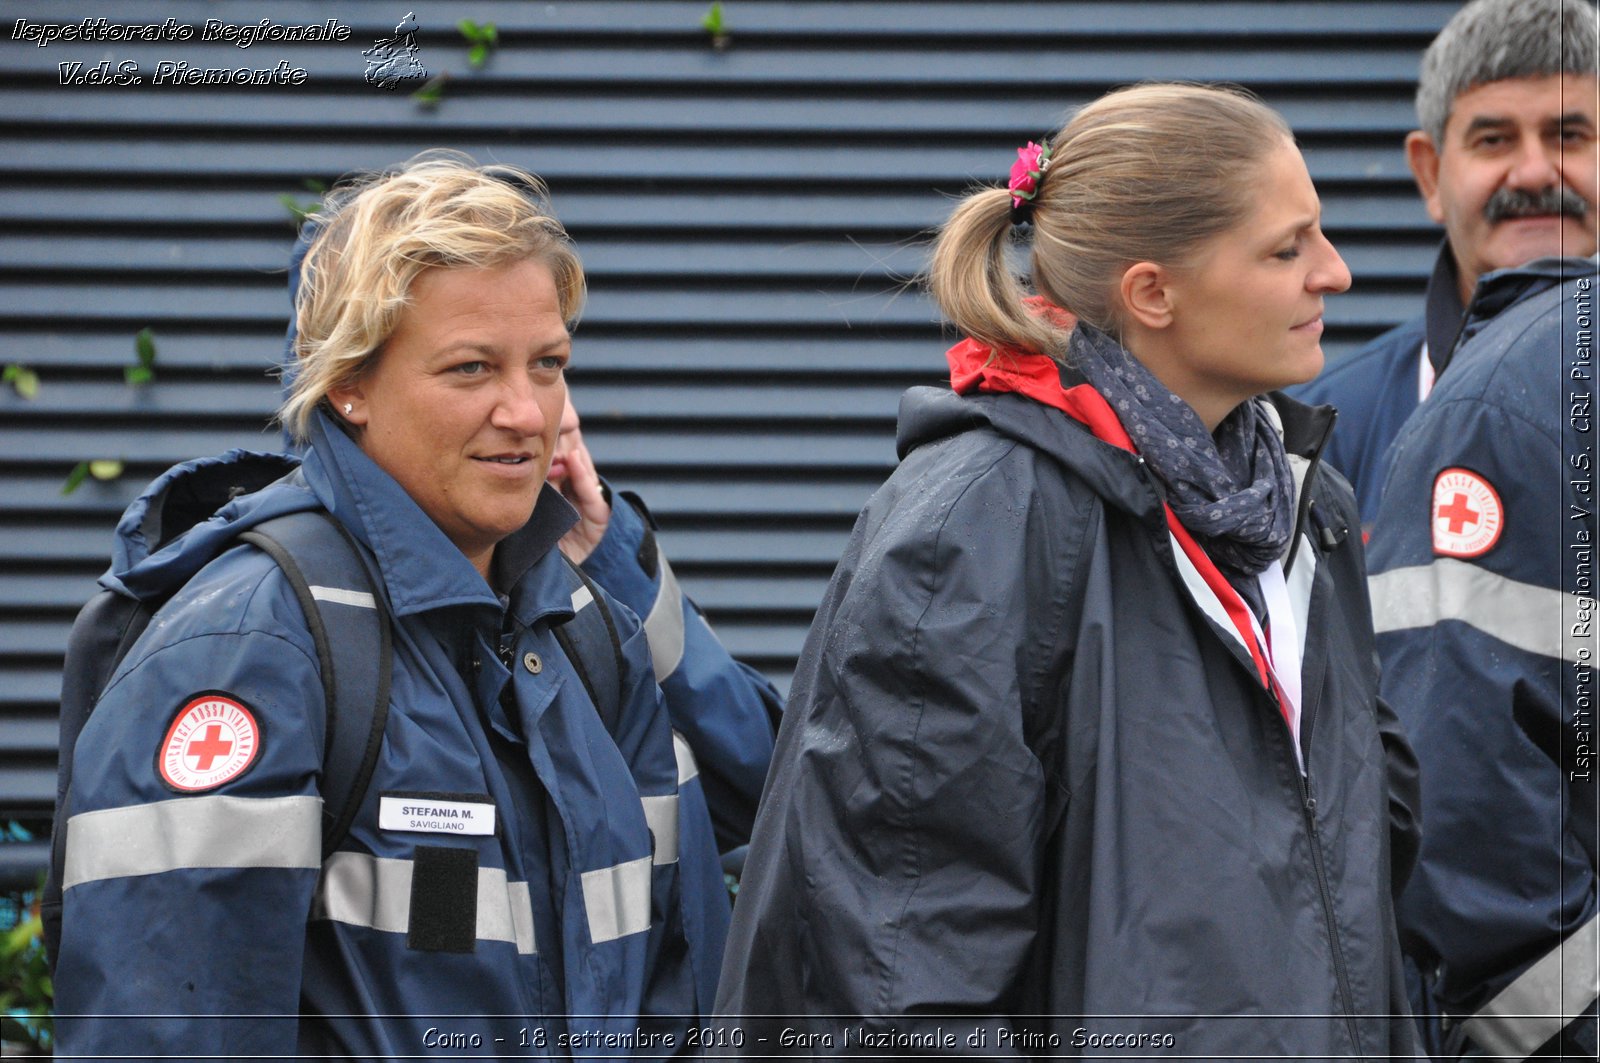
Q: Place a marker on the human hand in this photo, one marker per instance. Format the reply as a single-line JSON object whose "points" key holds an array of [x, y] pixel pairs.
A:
{"points": [[572, 471]]}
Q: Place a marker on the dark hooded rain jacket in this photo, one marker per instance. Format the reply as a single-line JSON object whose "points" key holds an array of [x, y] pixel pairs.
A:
{"points": [[1031, 795]]}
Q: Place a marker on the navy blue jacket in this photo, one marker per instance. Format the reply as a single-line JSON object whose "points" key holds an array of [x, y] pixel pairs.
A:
{"points": [[207, 922], [724, 712], [1483, 596]]}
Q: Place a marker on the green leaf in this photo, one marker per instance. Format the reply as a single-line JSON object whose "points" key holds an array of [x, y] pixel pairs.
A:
{"points": [[431, 91], [75, 478], [491, 33], [311, 184], [105, 469], [23, 379], [144, 345], [297, 210], [137, 375], [478, 55], [469, 29], [713, 22]]}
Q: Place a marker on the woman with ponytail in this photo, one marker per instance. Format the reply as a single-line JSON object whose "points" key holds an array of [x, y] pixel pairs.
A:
{"points": [[1084, 754]]}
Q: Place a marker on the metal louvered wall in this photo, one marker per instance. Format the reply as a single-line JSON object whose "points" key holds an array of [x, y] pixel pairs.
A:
{"points": [[749, 217]]}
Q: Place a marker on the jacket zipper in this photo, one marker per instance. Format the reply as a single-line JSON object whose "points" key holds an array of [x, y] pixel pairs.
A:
{"points": [[1308, 813], [1308, 801]]}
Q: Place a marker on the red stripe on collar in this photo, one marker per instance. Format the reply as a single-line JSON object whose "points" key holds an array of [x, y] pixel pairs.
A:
{"points": [[975, 367]]}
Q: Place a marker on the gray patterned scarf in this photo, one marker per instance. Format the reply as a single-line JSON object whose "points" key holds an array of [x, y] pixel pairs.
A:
{"points": [[1233, 490]]}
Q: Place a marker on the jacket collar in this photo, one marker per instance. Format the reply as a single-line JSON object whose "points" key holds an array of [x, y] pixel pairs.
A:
{"points": [[1441, 308], [1090, 440], [1021, 396], [420, 567], [978, 368], [1305, 428], [1498, 290]]}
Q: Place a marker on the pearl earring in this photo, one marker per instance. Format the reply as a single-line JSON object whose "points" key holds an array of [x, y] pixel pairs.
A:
{"points": [[348, 408]]}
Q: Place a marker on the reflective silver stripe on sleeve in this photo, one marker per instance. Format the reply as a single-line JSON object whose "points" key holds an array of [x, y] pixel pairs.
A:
{"points": [[1529, 617], [193, 832], [1543, 999], [661, 813], [375, 892], [687, 766], [581, 597], [618, 900], [340, 596], [663, 628]]}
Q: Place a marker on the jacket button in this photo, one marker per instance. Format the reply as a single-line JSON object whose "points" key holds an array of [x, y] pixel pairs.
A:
{"points": [[531, 662]]}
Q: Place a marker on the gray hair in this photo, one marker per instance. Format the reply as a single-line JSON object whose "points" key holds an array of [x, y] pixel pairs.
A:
{"points": [[1493, 40]]}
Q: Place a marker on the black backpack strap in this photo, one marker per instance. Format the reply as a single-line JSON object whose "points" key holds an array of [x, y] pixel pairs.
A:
{"points": [[349, 622], [105, 629], [593, 646]]}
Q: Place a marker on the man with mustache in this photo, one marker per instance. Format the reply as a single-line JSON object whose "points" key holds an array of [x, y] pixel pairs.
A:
{"points": [[1506, 162], [1481, 563]]}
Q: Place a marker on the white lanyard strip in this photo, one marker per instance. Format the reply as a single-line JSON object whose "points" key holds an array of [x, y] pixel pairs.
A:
{"points": [[1425, 373]]}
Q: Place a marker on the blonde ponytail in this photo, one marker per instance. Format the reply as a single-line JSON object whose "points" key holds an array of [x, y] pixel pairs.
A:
{"points": [[1143, 174], [973, 281]]}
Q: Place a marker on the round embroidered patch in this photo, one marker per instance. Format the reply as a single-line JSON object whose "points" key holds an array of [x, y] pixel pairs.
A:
{"points": [[213, 739], [1467, 515]]}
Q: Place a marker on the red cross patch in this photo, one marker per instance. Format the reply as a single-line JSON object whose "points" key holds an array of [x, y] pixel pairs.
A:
{"points": [[212, 740], [1467, 515]]}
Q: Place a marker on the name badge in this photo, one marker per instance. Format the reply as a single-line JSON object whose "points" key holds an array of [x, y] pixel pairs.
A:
{"points": [[429, 815]]}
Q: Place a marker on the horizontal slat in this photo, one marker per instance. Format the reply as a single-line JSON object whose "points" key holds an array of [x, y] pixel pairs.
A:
{"points": [[757, 20], [53, 592], [773, 642], [258, 215], [679, 306], [167, 445], [644, 405], [1046, 64], [723, 595], [657, 115], [21, 863], [725, 162], [33, 638], [812, 550], [30, 786], [732, 549], [251, 260], [29, 735]]}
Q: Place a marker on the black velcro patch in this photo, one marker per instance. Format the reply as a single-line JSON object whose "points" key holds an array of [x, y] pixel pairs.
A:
{"points": [[444, 900]]}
